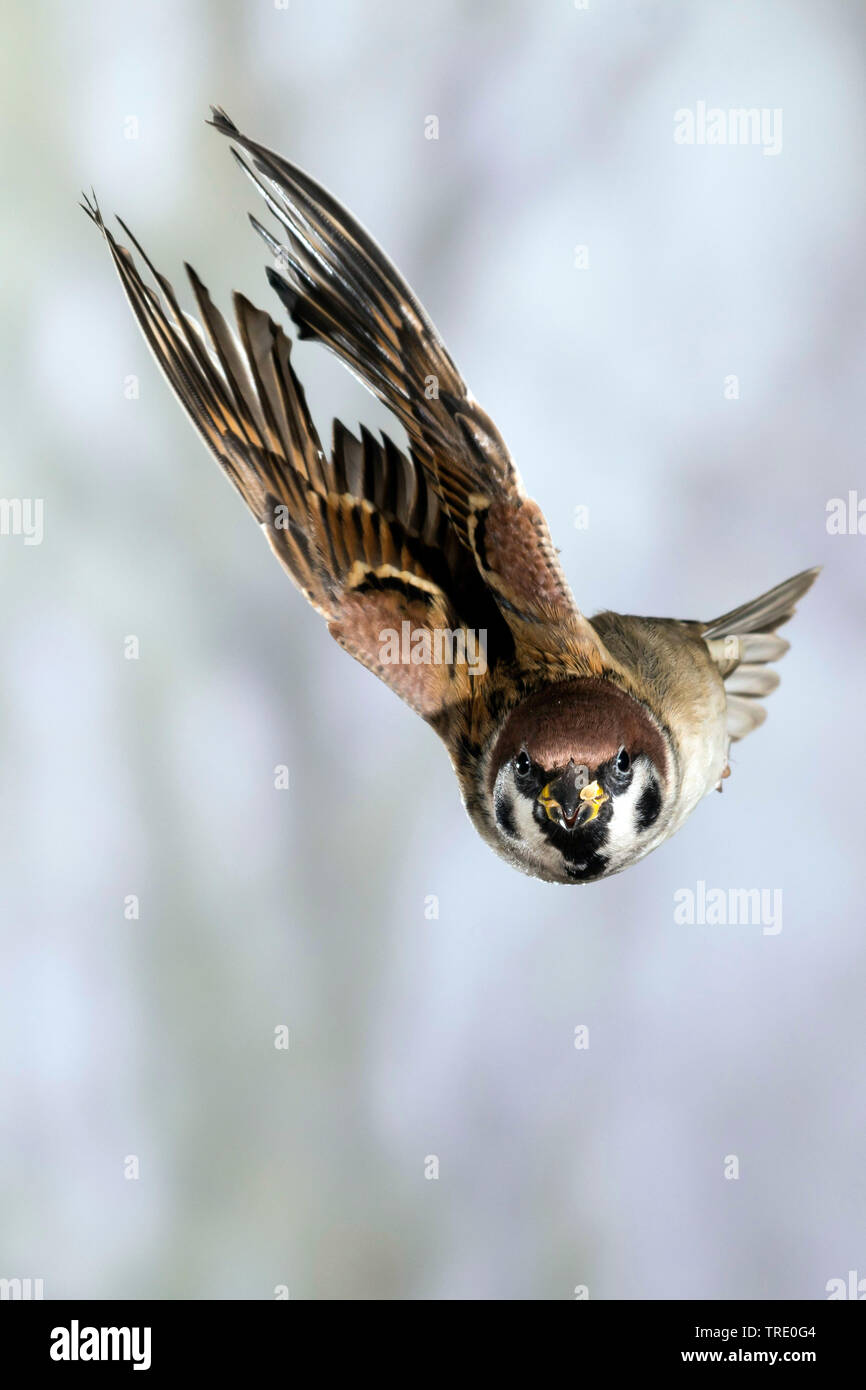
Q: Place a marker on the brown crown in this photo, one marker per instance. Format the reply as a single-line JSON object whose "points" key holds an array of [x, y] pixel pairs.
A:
{"points": [[585, 719]]}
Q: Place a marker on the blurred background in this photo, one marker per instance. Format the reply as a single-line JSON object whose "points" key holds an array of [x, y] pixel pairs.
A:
{"points": [[610, 371]]}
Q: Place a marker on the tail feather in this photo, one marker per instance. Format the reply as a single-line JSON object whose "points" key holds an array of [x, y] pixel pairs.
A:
{"points": [[759, 647], [744, 642], [751, 680], [743, 717], [768, 612]]}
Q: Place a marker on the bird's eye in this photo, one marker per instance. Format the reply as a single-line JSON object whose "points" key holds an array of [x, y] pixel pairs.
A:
{"points": [[623, 761], [523, 763]]}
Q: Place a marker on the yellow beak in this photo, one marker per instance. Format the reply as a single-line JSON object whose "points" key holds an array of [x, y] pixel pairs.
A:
{"points": [[591, 799], [595, 798], [549, 802]]}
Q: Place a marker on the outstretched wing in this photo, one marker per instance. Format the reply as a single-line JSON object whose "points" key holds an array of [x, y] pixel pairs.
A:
{"points": [[362, 533], [340, 289]]}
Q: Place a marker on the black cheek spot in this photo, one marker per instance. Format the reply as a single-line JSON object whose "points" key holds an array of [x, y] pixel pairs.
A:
{"points": [[504, 812], [649, 805]]}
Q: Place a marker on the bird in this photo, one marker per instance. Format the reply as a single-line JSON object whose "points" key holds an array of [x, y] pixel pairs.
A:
{"points": [[579, 744]]}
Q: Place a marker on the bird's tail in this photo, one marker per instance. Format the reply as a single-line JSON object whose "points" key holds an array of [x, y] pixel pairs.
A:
{"points": [[744, 643]]}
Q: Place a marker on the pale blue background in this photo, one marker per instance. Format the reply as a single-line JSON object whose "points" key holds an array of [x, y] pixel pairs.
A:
{"points": [[413, 1037]]}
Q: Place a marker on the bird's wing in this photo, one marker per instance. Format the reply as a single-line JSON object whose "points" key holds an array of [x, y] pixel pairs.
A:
{"points": [[340, 289], [362, 533]]}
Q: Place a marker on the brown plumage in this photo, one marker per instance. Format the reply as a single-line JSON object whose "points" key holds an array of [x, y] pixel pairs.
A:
{"points": [[578, 746]]}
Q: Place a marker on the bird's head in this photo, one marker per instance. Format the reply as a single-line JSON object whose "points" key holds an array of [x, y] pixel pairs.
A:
{"points": [[579, 779]]}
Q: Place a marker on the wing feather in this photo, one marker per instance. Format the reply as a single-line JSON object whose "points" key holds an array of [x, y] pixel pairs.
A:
{"points": [[361, 532], [340, 289]]}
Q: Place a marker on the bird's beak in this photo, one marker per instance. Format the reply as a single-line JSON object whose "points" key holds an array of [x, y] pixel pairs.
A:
{"points": [[592, 798], [569, 803]]}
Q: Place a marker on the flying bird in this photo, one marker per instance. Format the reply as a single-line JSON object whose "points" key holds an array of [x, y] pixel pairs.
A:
{"points": [[579, 744]]}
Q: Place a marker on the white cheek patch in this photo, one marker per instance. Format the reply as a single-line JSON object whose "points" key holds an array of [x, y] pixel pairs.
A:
{"points": [[625, 840], [523, 818], [530, 840]]}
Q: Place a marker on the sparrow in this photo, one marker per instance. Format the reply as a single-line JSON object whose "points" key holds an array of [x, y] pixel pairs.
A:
{"points": [[579, 744]]}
